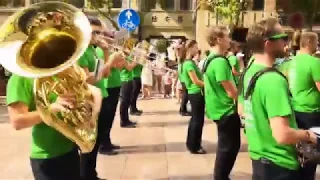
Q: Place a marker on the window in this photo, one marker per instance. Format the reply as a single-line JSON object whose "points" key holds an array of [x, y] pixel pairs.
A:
{"points": [[168, 4], [12, 3], [185, 4], [117, 3], [258, 5], [76, 3]]}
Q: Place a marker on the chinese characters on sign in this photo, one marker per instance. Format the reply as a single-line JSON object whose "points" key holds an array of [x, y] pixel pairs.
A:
{"points": [[167, 19], [180, 19], [154, 18]]}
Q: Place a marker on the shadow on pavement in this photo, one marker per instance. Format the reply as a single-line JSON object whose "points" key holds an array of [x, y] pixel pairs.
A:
{"points": [[157, 113], [210, 147], [235, 176], [166, 124]]}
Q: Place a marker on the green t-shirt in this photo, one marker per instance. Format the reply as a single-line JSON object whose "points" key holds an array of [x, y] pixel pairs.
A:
{"points": [[234, 62], [136, 72], [125, 74], [284, 66], [113, 79], [88, 60], [180, 74], [46, 141], [187, 66], [217, 101], [269, 99], [303, 73]]}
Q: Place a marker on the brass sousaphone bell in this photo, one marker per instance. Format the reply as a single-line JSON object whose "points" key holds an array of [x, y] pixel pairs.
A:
{"points": [[44, 41]]}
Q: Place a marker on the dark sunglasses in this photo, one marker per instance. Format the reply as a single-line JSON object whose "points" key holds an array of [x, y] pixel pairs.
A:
{"points": [[276, 37]]}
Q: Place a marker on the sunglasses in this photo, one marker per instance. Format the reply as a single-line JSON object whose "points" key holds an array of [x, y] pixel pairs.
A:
{"points": [[276, 37]]}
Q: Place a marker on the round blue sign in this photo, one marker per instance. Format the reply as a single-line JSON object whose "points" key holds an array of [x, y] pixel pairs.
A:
{"points": [[128, 19]]}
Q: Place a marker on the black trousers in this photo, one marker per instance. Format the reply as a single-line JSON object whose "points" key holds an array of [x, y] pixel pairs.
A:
{"points": [[228, 145], [266, 170], [135, 93], [196, 122], [112, 103], [184, 100], [126, 89], [64, 167], [307, 121], [89, 160]]}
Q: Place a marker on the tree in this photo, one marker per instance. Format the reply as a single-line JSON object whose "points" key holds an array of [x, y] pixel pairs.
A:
{"points": [[103, 7], [309, 8], [228, 10]]}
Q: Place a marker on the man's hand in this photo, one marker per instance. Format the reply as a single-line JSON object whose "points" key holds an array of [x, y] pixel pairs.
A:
{"points": [[313, 138], [106, 71], [63, 103]]}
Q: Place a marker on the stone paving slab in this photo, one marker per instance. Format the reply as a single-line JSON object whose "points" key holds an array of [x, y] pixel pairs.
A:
{"points": [[153, 151]]}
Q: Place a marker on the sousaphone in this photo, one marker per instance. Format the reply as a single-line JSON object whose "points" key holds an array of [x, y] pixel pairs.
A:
{"points": [[44, 41]]}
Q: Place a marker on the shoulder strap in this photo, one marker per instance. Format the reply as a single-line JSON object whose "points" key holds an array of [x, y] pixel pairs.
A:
{"points": [[256, 76], [209, 59], [241, 79]]}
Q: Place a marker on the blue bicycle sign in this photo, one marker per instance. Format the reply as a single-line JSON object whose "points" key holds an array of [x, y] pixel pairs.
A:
{"points": [[129, 19]]}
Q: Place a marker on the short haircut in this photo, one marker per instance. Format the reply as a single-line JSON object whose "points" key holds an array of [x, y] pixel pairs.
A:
{"points": [[215, 32], [259, 32], [307, 37], [94, 21]]}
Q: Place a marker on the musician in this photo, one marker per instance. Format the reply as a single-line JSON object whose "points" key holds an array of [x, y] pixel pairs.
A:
{"points": [[270, 124], [304, 81], [126, 90], [179, 50], [220, 95], [113, 84], [193, 82], [136, 75], [90, 63], [53, 156]]}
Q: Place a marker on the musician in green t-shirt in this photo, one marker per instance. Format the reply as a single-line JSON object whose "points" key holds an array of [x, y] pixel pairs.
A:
{"points": [[270, 124], [112, 84], [96, 70], [304, 83], [126, 77], [193, 81]]}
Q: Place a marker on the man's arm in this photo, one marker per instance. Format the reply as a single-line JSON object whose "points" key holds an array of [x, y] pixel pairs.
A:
{"points": [[194, 78], [20, 116], [130, 65]]}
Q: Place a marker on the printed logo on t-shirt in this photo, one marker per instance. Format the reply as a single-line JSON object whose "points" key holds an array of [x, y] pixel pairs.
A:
{"points": [[248, 113]]}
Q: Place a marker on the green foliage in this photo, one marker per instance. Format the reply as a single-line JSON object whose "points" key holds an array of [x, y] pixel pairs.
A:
{"points": [[309, 8], [161, 45], [228, 10], [104, 9]]}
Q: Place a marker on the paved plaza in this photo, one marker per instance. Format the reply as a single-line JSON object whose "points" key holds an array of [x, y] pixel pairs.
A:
{"points": [[153, 151]]}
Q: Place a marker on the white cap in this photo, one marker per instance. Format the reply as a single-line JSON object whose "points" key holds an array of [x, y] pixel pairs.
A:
{"points": [[240, 55]]}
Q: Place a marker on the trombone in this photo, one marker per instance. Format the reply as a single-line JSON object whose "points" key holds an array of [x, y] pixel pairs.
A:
{"points": [[140, 56]]}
